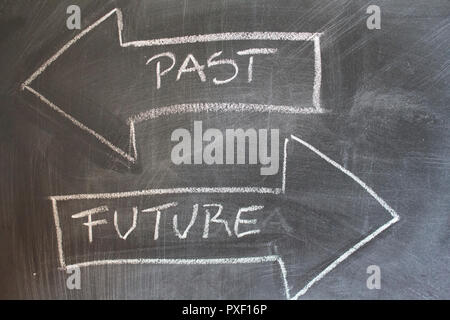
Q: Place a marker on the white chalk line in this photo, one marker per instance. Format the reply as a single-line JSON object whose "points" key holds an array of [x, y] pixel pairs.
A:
{"points": [[219, 107], [133, 226], [77, 123], [261, 259], [133, 141], [161, 207], [151, 192], [345, 255], [284, 277], [86, 213], [64, 48], [255, 51], [317, 73], [227, 36], [59, 238], [283, 179], [350, 174]]}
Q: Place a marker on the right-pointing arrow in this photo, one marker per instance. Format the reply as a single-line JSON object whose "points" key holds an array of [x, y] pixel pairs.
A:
{"points": [[321, 215], [336, 226]]}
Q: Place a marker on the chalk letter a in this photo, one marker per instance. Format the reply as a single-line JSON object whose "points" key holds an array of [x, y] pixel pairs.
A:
{"points": [[197, 67]]}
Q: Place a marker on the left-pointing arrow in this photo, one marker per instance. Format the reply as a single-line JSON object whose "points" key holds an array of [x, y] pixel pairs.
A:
{"points": [[101, 83], [68, 82]]}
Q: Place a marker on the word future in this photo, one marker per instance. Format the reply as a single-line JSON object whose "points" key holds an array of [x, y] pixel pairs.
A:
{"points": [[213, 152], [212, 214], [191, 64]]}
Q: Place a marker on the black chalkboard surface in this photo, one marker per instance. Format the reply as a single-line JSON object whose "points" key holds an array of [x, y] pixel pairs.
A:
{"points": [[224, 149]]}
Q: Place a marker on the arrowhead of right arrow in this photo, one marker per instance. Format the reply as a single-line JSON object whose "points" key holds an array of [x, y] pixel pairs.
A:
{"points": [[332, 212]]}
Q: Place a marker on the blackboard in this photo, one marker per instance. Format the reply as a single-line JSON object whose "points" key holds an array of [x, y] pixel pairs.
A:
{"points": [[355, 118]]}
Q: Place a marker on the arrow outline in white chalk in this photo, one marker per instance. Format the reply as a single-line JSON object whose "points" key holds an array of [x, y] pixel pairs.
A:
{"points": [[154, 113], [229, 190], [202, 107]]}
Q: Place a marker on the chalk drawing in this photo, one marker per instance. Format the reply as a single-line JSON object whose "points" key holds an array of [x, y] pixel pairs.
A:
{"points": [[90, 223], [231, 190], [131, 156], [133, 226], [158, 210]]}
